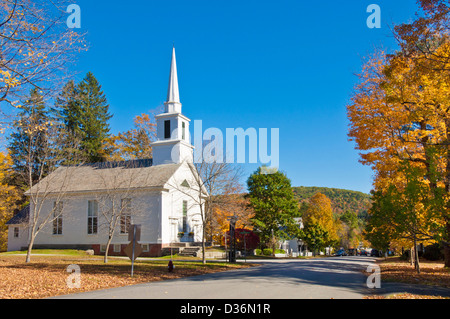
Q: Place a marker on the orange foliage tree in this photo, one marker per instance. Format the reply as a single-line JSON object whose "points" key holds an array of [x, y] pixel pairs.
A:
{"points": [[399, 111], [134, 143], [224, 208]]}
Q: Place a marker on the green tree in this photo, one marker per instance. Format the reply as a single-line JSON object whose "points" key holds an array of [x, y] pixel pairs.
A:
{"points": [[68, 115], [94, 117], [379, 230], [319, 213], [315, 236], [407, 212], [83, 111], [25, 142], [275, 207]]}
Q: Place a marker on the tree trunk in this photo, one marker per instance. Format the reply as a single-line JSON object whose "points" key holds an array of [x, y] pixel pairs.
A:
{"points": [[30, 247], [416, 256], [447, 246], [105, 258], [203, 246], [411, 256], [447, 189], [447, 255]]}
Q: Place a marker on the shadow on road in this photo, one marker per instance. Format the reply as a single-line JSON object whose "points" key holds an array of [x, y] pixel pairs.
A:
{"points": [[341, 272]]}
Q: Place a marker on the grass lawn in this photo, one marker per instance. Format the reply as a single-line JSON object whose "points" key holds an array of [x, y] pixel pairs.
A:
{"points": [[46, 274]]}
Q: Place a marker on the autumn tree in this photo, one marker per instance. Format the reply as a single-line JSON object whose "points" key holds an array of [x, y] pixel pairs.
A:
{"points": [[224, 207], [9, 197], [319, 220], [348, 230], [406, 212], [35, 47], [400, 112], [210, 181], [134, 143], [272, 199]]}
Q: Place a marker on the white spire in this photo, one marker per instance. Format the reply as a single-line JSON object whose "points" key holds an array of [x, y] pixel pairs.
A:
{"points": [[173, 96]]}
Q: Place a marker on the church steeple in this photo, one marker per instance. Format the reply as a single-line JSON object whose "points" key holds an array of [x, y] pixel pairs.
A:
{"points": [[172, 104], [172, 143]]}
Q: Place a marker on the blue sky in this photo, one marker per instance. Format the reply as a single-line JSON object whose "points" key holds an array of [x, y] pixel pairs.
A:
{"points": [[262, 64]]}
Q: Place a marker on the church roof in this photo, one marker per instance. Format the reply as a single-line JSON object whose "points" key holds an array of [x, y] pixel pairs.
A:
{"points": [[122, 175], [20, 217]]}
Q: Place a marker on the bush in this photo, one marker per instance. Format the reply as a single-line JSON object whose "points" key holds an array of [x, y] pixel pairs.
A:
{"points": [[433, 253], [405, 255], [258, 252], [268, 251]]}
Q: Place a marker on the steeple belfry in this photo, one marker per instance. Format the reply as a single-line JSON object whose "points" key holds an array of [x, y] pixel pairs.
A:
{"points": [[172, 104]]}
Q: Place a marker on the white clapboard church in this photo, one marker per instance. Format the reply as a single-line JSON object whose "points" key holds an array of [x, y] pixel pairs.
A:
{"points": [[160, 194]]}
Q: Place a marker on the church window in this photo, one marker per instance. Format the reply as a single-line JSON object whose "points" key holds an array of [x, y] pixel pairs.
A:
{"points": [[185, 184], [92, 216], [167, 129], [125, 216], [185, 216], [57, 218], [183, 130]]}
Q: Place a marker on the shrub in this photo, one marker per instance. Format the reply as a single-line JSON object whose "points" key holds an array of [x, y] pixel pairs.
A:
{"points": [[268, 251], [433, 252]]}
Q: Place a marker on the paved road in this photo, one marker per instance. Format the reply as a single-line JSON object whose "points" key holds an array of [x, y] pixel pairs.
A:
{"points": [[323, 278]]}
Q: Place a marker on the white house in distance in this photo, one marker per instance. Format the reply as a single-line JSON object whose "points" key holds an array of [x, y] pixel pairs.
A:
{"points": [[160, 194]]}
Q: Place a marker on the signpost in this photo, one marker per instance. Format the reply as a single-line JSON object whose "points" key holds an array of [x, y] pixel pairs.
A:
{"points": [[133, 249]]}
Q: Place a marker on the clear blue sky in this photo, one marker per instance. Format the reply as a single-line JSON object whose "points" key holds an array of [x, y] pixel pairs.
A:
{"points": [[262, 64]]}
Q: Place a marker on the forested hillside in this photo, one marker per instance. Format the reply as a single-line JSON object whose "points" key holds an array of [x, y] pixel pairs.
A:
{"points": [[341, 199]]}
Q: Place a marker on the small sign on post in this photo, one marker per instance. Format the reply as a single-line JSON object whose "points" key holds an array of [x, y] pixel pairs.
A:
{"points": [[133, 249]]}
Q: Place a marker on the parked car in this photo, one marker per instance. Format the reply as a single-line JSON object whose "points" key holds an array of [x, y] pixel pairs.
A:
{"points": [[375, 253], [363, 253], [341, 252]]}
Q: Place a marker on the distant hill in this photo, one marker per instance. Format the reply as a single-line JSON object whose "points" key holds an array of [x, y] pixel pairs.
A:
{"points": [[341, 199]]}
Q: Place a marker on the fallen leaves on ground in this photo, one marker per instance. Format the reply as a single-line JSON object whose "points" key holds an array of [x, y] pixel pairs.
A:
{"points": [[431, 273], [405, 296], [45, 276]]}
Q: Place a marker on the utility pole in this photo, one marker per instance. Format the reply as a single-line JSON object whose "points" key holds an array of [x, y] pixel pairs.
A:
{"points": [[232, 220]]}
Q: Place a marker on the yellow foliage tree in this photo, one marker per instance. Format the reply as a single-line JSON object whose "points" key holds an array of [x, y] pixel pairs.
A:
{"points": [[399, 113], [134, 143], [35, 47], [231, 204], [320, 213], [9, 196]]}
